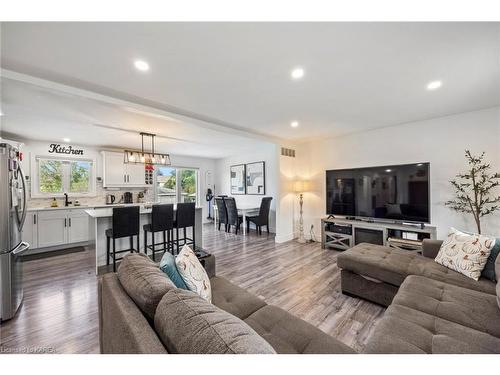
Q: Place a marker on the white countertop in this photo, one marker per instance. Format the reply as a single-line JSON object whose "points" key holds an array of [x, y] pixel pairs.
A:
{"points": [[86, 206], [108, 211]]}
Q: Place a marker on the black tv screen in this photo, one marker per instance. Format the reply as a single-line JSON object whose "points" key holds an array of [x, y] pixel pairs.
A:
{"points": [[391, 192]]}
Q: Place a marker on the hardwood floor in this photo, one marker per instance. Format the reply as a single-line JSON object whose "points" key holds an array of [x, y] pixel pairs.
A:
{"points": [[59, 312]]}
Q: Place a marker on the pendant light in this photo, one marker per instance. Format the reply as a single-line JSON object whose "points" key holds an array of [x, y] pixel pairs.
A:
{"points": [[146, 157]]}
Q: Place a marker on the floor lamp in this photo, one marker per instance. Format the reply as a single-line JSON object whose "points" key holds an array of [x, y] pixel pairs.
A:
{"points": [[300, 187]]}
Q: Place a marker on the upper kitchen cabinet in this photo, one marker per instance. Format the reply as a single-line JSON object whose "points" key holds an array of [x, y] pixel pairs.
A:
{"points": [[117, 174]]}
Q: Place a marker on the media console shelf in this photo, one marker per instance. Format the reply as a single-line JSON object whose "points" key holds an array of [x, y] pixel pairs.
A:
{"points": [[341, 234]]}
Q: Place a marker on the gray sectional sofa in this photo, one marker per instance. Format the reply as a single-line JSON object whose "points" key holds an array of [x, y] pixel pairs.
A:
{"points": [[141, 311], [431, 309]]}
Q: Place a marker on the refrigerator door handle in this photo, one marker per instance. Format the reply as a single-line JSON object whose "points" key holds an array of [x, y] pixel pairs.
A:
{"points": [[21, 248], [23, 216]]}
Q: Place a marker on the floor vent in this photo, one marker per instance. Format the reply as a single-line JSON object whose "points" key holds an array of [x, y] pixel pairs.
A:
{"points": [[287, 152]]}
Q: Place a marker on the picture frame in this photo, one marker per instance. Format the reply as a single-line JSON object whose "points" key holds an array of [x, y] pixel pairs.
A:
{"points": [[255, 178], [237, 179]]}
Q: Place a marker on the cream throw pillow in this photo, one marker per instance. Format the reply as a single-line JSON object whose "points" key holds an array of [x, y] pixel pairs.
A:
{"points": [[465, 253], [193, 273]]}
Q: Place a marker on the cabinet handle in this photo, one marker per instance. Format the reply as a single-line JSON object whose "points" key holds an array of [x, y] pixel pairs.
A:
{"points": [[69, 221], [64, 222], [124, 178], [34, 219], [128, 178]]}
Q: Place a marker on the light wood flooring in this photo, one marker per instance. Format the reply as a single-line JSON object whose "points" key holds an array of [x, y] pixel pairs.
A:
{"points": [[59, 312]]}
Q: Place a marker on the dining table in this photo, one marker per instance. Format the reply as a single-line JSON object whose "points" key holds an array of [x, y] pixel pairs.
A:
{"points": [[243, 210]]}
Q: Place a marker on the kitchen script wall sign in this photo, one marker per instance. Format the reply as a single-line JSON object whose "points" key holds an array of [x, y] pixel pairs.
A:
{"points": [[55, 148]]}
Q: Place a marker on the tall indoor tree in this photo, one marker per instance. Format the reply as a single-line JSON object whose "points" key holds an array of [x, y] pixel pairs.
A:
{"points": [[475, 189]]}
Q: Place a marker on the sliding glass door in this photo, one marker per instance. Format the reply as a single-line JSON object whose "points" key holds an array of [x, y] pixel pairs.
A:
{"points": [[177, 185]]}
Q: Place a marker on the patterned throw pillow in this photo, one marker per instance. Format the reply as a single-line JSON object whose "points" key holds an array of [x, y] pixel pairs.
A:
{"points": [[465, 253], [193, 273]]}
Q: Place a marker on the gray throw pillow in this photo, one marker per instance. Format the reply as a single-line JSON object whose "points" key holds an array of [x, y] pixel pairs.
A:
{"points": [[188, 324], [144, 282]]}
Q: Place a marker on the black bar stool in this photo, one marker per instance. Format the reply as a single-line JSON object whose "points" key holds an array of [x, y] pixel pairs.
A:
{"points": [[162, 220], [185, 218], [125, 224]]}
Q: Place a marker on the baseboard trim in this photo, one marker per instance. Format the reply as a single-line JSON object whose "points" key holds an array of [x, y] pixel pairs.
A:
{"points": [[284, 238]]}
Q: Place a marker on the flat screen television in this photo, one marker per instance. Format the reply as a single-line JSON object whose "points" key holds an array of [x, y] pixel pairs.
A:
{"points": [[391, 192]]}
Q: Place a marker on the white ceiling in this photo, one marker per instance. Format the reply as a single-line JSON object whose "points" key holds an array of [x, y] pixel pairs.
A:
{"points": [[41, 113], [357, 75]]}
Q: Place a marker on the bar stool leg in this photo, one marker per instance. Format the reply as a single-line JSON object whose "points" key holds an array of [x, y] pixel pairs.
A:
{"points": [[146, 242], [108, 240], [177, 239], [164, 241], [114, 255], [131, 240], [138, 247], [153, 244], [194, 242]]}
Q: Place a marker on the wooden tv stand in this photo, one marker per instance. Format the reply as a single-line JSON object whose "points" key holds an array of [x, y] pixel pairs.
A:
{"points": [[342, 234]]}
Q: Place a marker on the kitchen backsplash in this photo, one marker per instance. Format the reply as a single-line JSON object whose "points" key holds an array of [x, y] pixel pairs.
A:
{"points": [[99, 199]]}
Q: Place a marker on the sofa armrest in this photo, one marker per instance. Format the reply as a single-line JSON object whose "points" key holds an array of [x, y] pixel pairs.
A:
{"points": [[430, 248]]}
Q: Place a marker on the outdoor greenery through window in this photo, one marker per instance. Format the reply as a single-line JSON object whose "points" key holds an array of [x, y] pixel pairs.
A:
{"points": [[176, 185], [58, 176]]}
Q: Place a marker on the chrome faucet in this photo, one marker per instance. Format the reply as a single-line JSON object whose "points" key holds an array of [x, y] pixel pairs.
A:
{"points": [[66, 202]]}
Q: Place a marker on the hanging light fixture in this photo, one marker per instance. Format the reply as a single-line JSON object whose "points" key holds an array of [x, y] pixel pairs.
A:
{"points": [[146, 157]]}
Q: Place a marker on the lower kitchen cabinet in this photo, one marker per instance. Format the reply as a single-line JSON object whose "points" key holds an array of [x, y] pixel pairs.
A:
{"points": [[30, 233], [55, 228], [78, 226], [52, 228]]}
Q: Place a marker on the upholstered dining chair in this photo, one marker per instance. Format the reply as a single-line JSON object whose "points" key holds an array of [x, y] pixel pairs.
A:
{"points": [[221, 212], [263, 218], [232, 215]]}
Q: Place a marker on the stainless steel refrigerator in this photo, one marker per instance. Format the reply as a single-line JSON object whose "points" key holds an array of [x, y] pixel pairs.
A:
{"points": [[12, 216]]}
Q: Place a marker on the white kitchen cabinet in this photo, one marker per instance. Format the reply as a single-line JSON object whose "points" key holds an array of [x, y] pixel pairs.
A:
{"points": [[78, 226], [52, 228], [55, 228], [135, 175], [30, 232], [116, 173]]}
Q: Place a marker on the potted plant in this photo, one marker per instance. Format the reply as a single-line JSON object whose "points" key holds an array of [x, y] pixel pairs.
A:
{"points": [[475, 189]]}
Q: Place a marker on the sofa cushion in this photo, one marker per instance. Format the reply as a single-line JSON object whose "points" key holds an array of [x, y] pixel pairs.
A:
{"points": [[186, 323], [233, 299], [290, 335], [144, 282], [193, 273], [497, 270], [405, 331], [465, 253], [466, 307], [392, 266]]}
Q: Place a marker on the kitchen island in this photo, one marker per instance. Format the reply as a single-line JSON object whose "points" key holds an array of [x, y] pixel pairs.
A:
{"points": [[101, 219]]}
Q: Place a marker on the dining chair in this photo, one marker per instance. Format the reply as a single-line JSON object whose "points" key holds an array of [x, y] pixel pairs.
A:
{"points": [[263, 218], [221, 212], [232, 215]]}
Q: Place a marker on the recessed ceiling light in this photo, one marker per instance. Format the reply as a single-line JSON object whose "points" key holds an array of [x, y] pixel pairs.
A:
{"points": [[420, 164], [297, 73], [67, 140], [388, 170], [141, 65], [294, 124], [434, 85]]}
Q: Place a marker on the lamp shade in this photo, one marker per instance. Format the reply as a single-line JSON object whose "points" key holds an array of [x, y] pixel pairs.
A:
{"points": [[300, 186]]}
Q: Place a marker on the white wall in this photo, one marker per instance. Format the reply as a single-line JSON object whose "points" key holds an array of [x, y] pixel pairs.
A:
{"points": [[31, 148], [266, 152], [440, 141]]}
